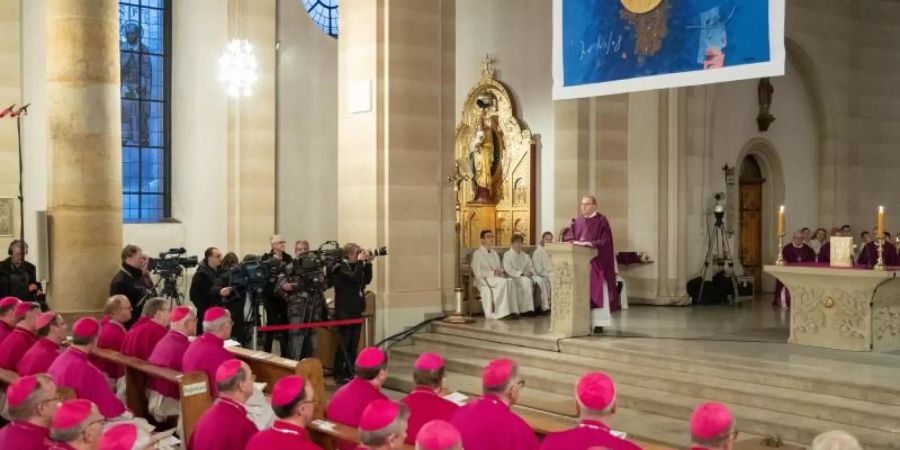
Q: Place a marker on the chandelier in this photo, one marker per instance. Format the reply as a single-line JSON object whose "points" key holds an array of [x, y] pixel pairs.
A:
{"points": [[237, 68]]}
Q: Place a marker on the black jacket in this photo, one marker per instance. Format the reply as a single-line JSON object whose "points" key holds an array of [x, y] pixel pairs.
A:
{"points": [[14, 281], [204, 290], [350, 280], [131, 283]]}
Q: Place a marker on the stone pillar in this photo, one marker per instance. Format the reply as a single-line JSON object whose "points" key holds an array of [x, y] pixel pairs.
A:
{"points": [[84, 152], [573, 165], [396, 77]]}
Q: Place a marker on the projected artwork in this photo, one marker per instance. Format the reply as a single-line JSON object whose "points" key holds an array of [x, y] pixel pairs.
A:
{"points": [[614, 46]]}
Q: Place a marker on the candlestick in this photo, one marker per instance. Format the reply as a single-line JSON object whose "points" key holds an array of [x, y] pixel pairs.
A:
{"points": [[880, 264], [780, 260], [880, 221], [781, 220]]}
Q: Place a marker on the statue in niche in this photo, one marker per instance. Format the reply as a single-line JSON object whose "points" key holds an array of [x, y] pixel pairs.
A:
{"points": [[484, 157], [765, 92], [520, 192]]}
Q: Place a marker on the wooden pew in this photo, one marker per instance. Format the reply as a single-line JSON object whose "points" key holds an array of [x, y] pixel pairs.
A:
{"points": [[194, 387], [338, 431]]}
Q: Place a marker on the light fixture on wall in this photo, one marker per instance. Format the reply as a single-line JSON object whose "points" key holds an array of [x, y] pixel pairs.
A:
{"points": [[237, 68]]}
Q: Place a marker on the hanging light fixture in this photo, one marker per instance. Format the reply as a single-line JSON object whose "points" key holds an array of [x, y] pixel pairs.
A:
{"points": [[237, 68]]}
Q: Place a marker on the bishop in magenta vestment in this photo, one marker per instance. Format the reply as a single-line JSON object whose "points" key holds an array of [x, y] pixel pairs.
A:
{"points": [[73, 369], [488, 424], [38, 358], [347, 404], [206, 353], [424, 406], [283, 435], [112, 335], [142, 337], [224, 426], [793, 254], [14, 347]]}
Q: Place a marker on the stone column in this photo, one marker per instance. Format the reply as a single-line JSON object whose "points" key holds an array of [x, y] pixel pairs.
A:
{"points": [[84, 152]]}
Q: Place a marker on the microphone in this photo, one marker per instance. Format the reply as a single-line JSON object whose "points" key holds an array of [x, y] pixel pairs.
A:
{"points": [[23, 111]]}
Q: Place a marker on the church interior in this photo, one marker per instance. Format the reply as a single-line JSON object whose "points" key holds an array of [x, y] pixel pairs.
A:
{"points": [[448, 136]]}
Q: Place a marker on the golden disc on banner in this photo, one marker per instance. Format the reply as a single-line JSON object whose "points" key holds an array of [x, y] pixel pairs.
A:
{"points": [[640, 6]]}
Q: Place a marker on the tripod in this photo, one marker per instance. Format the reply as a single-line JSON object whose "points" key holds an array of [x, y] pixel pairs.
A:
{"points": [[718, 252]]}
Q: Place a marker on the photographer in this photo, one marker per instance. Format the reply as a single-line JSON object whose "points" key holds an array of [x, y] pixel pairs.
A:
{"points": [[234, 300], [350, 280], [130, 280], [18, 278], [204, 292], [276, 308], [303, 288]]}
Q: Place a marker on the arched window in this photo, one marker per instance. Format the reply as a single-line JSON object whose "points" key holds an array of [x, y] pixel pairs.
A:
{"points": [[144, 47], [325, 14]]}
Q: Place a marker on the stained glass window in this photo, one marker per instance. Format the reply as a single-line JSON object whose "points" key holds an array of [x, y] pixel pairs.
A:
{"points": [[325, 14], [144, 51]]}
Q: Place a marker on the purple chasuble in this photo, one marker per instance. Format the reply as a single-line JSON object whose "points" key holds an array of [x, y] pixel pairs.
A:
{"points": [[38, 358], [14, 347], [19, 435], [792, 255], [282, 436], [112, 335], [73, 369], [5, 330], [205, 354], [424, 406], [140, 339], [596, 230], [488, 424], [588, 434], [869, 255], [224, 426], [347, 405], [168, 354]]}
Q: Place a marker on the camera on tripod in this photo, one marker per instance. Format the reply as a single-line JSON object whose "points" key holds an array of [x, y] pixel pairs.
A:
{"points": [[252, 274], [172, 262]]}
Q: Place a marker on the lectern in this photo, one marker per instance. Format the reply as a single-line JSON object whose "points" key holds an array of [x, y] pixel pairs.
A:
{"points": [[570, 314]]}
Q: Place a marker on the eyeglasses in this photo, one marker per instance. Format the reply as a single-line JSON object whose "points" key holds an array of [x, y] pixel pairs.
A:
{"points": [[520, 384]]}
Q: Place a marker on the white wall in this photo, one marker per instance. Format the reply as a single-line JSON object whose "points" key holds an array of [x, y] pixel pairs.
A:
{"points": [[307, 128], [518, 34]]}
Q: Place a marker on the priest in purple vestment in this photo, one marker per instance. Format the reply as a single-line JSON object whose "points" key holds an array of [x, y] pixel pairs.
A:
{"points": [[382, 425], [347, 404], [438, 435], [593, 230], [144, 335], [796, 252], [595, 399], [208, 351], [488, 423], [293, 401], [32, 402], [712, 427], [225, 426], [77, 425], [73, 369], [22, 337], [7, 316], [163, 396], [51, 332], [868, 256]]}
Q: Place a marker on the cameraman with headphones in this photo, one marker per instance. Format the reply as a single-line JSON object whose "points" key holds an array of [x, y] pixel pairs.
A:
{"points": [[18, 278], [350, 280]]}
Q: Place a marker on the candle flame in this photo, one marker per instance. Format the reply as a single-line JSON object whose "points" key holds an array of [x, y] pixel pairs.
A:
{"points": [[781, 209]]}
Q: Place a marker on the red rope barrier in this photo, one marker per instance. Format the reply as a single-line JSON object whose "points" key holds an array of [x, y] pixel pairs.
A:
{"points": [[299, 326]]}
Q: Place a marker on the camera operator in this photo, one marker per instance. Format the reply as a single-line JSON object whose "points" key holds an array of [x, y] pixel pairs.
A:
{"points": [[304, 293], [234, 301], [130, 280], [276, 307], [300, 247], [18, 278], [204, 290], [350, 280]]}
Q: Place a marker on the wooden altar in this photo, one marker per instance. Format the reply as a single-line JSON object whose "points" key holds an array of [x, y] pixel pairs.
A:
{"points": [[842, 308], [496, 156]]}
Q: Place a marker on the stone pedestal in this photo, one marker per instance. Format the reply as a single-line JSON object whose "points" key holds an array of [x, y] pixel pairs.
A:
{"points": [[570, 314], [84, 152], [845, 309]]}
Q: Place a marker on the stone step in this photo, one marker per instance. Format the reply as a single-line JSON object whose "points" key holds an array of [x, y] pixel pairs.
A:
{"points": [[850, 411], [555, 396], [776, 374]]}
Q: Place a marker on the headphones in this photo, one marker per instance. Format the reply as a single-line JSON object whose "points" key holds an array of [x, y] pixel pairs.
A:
{"points": [[15, 243]]}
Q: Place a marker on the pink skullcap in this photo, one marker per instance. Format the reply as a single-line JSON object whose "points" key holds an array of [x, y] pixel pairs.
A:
{"points": [[596, 390], [227, 370], [86, 327], [8, 301], [20, 389], [22, 308], [370, 357], [429, 361], [711, 420], [71, 413], [180, 313], [119, 437], [214, 313], [287, 389], [378, 415], [497, 372], [44, 318], [437, 435]]}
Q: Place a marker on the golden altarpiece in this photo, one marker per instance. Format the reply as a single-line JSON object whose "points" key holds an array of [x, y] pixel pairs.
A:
{"points": [[495, 156]]}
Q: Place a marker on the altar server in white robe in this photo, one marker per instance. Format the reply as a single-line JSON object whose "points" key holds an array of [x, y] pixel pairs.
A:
{"points": [[543, 267], [518, 266], [498, 293]]}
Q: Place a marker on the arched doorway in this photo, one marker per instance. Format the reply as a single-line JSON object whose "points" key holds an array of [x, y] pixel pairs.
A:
{"points": [[751, 212]]}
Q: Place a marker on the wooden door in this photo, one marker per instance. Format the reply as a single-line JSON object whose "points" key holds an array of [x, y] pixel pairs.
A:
{"points": [[751, 230]]}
